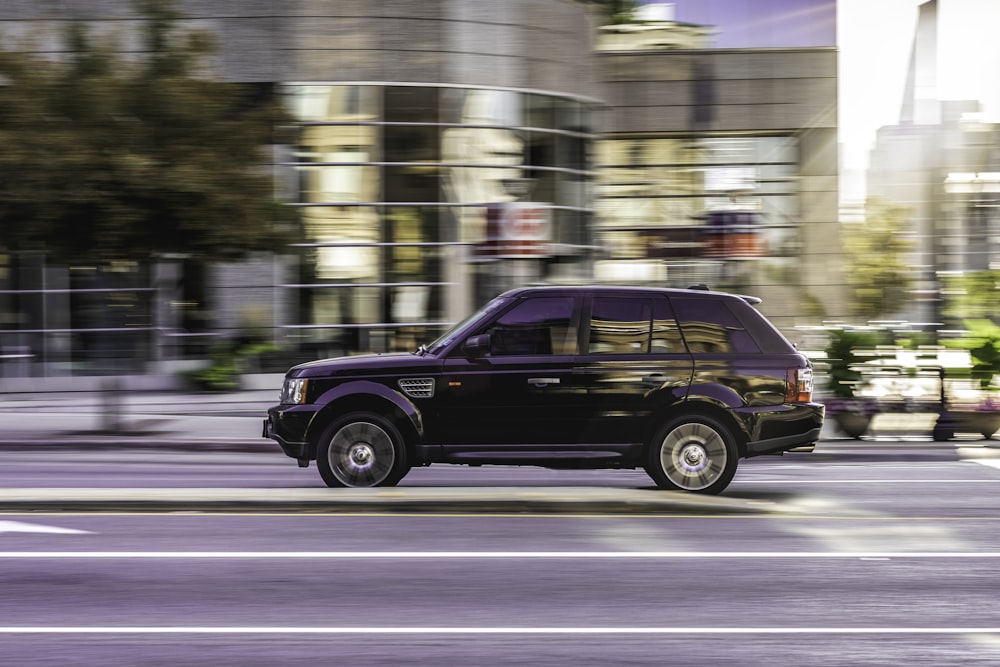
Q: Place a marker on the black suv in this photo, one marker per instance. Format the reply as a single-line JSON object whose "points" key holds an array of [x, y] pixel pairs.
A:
{"points": [[680, 382]]}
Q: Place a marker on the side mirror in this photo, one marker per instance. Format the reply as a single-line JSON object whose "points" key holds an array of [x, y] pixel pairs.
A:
{"points": [[477, 346]]}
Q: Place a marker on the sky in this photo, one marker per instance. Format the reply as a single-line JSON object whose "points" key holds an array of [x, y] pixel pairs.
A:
{"points": [[874, 39]]}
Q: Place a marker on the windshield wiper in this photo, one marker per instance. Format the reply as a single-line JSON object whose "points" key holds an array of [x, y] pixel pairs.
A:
{"points": [[422, 350]]}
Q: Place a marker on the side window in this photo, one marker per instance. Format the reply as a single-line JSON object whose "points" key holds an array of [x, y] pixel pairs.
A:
{"points": [[619, 326], [666, 338], [539, 325], [709, 326]]}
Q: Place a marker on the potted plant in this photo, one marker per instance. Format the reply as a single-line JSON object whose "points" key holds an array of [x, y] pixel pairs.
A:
{"points": [[982, 416], [851, 413]]}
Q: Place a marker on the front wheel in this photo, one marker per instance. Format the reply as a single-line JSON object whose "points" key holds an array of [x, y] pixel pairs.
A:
{"points": [[361, 449], [695, 454]]}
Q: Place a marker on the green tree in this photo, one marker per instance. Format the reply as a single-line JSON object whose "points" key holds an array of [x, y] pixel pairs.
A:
{"points": [[843, 359], [111, 158], [616, 11], [971, 295], [983, 343], [877, 269]]}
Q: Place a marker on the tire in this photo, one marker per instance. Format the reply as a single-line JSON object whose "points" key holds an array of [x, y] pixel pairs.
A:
{"points": [[696, 454], [362, 449]]}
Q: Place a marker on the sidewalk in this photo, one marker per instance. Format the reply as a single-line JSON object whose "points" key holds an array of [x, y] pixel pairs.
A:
{"points": [[136, 419]]}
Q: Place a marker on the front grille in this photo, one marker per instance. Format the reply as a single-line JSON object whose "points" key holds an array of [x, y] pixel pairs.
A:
{"points": [[418, 387]]}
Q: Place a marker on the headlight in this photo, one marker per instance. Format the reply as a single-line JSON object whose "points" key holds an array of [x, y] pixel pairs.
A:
{"points": [[293, 391]]}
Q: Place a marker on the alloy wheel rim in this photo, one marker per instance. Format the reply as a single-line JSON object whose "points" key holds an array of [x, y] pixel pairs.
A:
{"points": [[361, 454], [693, 456]]}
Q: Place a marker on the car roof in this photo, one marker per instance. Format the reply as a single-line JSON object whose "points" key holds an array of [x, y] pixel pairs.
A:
{"points": [[696, 290]]}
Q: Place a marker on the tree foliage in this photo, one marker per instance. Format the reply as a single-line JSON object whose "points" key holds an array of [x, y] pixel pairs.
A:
{"points": [[971, 295], [982, 340], [843, 358], [106, 157], [616, 11], [878, 273]]}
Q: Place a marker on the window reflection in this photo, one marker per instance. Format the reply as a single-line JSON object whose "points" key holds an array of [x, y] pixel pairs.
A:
{"points": [[483, 107], [536, 326], [620, 326], [666, 335], [318, 103], [708, 328], [407, 143], [411, 104]]}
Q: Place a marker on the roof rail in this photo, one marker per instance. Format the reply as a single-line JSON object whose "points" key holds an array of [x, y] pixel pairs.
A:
{"points": [[752, 300]]}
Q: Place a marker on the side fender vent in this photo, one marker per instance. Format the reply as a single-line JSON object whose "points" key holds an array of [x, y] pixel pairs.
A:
{"points": [[418, 387]]}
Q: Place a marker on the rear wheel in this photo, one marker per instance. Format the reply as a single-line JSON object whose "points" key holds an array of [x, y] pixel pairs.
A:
{"points": [[362, 449], [695, 454]]}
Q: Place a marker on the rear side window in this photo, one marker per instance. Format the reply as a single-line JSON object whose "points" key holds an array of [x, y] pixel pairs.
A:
{"points": [[666, 335], [771, 340], [710, 327], [620, 326], [536, 326]]}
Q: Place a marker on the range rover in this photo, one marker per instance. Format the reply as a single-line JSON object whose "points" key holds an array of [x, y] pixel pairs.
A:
{"points": [[682, 383]]}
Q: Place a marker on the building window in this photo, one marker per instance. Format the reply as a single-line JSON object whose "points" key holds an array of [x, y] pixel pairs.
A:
{"points": [[684, 206], [395, 183]]}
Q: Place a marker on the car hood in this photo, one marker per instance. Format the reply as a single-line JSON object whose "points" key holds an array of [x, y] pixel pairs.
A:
{"points": [[378, 363]]}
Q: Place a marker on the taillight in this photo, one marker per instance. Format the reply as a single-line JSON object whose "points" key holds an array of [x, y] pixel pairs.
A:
{"points": [[799, 385]]}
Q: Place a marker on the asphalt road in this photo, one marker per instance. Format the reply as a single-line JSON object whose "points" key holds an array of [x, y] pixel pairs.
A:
{"points": [[885, 555]]}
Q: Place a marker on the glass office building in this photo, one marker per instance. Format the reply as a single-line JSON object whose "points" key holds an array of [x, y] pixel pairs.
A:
{"points": [[689, 210], [397, 187]]}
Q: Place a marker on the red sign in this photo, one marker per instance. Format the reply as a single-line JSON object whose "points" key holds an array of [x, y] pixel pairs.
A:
{"points": [[517, 229]]}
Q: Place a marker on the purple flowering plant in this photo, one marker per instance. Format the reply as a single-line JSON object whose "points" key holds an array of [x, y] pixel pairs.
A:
{"points": [[859, 405]]}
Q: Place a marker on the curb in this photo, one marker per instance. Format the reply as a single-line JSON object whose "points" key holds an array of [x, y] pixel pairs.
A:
{"points": [[478, 500], [97, 442]]}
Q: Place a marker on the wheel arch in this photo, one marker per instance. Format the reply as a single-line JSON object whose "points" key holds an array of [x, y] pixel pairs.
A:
{"points": [[367, 397], [694, 406]]}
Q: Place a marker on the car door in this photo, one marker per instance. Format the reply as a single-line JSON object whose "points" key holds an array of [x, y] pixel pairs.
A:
{"points": [[634, 362], [523, 393]]}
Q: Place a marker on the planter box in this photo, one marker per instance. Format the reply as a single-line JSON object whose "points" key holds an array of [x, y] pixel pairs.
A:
{"points": [[852, 424], [981, 423]]}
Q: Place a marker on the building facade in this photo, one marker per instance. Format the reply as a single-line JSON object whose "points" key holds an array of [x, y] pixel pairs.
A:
{"points": [[449, 149], [719, 166]]}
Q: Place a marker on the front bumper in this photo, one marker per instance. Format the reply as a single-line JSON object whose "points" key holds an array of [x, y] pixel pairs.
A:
{"points": [[288, 426]]}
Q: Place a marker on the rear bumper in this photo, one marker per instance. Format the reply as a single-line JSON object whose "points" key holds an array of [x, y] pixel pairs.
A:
{"points": [[790, 427], [775, 445]]}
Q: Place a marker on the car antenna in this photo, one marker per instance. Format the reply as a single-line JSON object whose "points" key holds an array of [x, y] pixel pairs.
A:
{"points": [[700, 286]]}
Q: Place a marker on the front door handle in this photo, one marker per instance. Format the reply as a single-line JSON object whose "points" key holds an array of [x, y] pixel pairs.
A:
{"points": [[542, 382], [654, 378]]}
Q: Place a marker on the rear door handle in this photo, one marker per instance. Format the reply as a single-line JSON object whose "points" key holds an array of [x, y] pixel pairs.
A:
{"points": [[542, 382]]}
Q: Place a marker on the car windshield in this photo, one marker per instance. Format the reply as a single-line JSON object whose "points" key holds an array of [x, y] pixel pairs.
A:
{"points": [[449, 336]]}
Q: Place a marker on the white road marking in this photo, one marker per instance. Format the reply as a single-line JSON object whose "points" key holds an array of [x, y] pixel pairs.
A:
{"points": [[471, 630], [472, 555], [993, 463], [866, 481], [22, 527]]}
